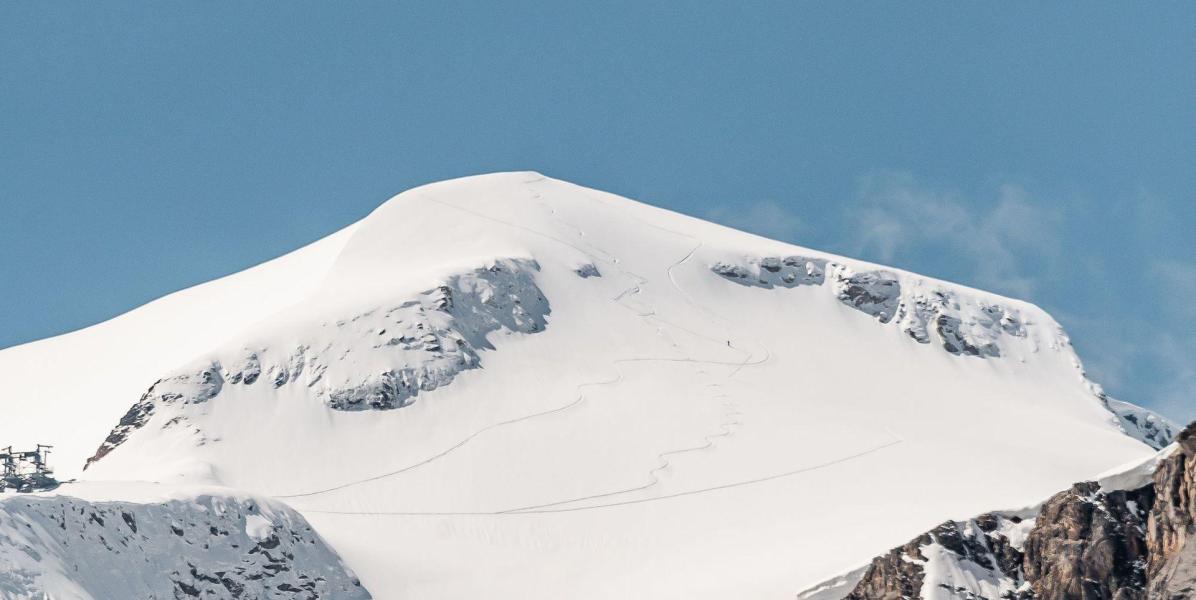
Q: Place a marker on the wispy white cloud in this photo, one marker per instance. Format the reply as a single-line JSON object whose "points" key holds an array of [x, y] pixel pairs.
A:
{"points": [[1129, 326], [1173, 349], [1176, 393], [1006, 239], [765, 217], [1175, 282]]}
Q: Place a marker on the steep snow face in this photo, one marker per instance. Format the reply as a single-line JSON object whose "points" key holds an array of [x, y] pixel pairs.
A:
{"points": [[82, 381], [589, 397], [418, 344], [219, 546], [960, 321]]}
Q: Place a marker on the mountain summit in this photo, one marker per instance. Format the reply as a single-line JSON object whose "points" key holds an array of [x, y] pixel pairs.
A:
{"points": [[512, 386]]}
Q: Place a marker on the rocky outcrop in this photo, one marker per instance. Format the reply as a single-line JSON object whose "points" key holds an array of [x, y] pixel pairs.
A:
{"points": [[950, 318], [1085, 543], [874, 293], [962, 326], [976, 559], [1140, 423], [1090, 544], [898, 574], [196, 386], [1172, 527], [422, 343], [775, 271], [203, 547]]}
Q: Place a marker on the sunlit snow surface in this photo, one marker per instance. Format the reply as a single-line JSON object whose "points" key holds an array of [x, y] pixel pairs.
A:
{"points": [[641, 422]]}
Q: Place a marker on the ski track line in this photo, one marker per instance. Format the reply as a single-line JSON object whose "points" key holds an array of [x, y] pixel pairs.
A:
{"points": [[655, 479], [664, 462], [662, 458], [635, 289], [619, 378], [459, 444], [694, 492], [672, 277]]}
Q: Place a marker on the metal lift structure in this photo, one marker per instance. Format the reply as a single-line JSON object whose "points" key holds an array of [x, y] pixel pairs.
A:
{"points": [[26, 470]]}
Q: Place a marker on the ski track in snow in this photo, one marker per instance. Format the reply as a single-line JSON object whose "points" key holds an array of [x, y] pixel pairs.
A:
{"points": [[634, 289], [694, 492], [559, 506]]}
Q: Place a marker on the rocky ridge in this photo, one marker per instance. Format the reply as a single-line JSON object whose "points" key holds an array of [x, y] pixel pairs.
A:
{"points": [[206, 547], [424, 343], [926, 313], [1090, 542], [962, 326]]}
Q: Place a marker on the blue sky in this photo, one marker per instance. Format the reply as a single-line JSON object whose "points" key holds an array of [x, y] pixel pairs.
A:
{"points": [[1040, 150]]}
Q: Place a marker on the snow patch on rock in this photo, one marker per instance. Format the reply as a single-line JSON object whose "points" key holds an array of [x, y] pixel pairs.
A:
{"points": [[961, 325], [413, 345], [203, 547], [1151, 428]]}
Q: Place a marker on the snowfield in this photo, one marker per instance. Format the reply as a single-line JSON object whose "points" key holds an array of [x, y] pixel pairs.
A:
{"points": [[510, 386]]}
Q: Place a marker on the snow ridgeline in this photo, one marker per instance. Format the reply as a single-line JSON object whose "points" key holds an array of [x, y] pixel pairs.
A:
{"points": [[422, 344], [208, 546], [961, 324]]}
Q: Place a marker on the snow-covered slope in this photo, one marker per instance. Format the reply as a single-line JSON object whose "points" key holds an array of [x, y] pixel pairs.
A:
{"points": [[512, 386], [65, 390]]}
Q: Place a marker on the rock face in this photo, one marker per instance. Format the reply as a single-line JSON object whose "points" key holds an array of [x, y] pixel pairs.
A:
{"points": [[1172, 526], [1090, 544], [206, 547], [962, 326], [1140, 423], [1086, 543], [973, 559], [775, 271], [423, 342]]}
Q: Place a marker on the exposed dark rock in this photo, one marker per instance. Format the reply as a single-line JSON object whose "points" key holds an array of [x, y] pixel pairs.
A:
{"points": [[503, 297], [59, 546], [1086, 543], [895, 575], [877, 293], [969, 327], [775, 271], [955, 342], [980, 542], [247, 370], [1172, 527], [587, 270], [429, 340], [188, 388], [1140, 423]]}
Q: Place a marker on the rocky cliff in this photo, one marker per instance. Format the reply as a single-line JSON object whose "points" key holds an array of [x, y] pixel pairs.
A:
{"points": [[1094, 541], [207, 546]]}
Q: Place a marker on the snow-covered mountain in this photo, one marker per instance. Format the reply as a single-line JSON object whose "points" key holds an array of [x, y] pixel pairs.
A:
{"points": [[511, 386]]}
